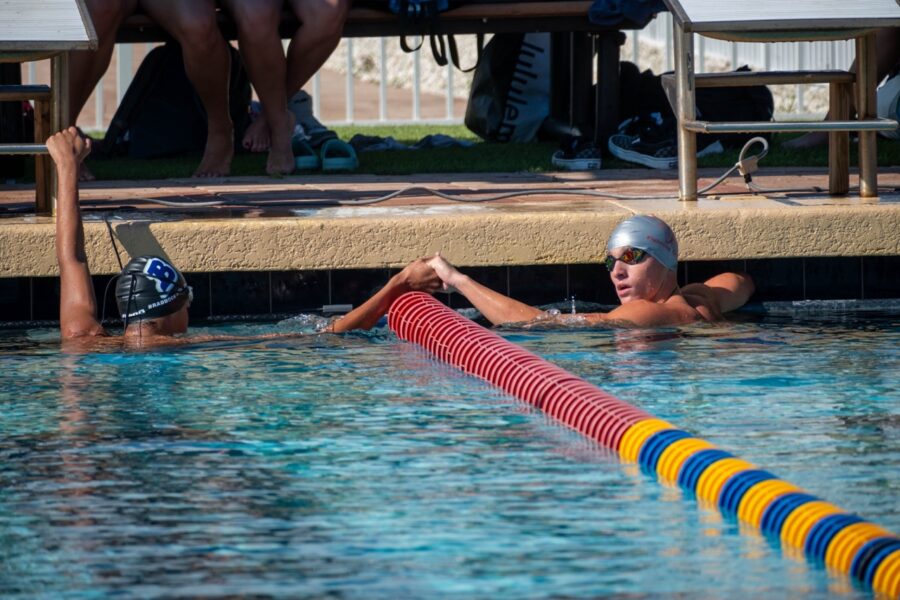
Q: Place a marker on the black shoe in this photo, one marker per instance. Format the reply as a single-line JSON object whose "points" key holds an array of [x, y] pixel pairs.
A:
{"points": [[651, 140], [577, 153]]}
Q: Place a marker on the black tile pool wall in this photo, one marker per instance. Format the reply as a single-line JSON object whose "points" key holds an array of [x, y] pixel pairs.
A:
{"points": [[285, 292]]}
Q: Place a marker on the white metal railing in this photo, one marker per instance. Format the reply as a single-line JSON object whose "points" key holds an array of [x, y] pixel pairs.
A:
{"points": [[650, 47]]}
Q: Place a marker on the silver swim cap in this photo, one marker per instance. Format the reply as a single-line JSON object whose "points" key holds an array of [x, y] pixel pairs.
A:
{"points": [[647, 233]]}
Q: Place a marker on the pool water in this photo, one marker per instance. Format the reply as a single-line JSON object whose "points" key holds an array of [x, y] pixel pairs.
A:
{"points": [[357, 466]]}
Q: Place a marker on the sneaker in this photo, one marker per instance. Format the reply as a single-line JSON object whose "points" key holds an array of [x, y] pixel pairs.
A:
{"points": [[651, 140], [577, 154]]}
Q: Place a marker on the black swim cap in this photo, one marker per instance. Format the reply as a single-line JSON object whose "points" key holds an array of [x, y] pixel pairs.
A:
{"points": [[149, 287]]}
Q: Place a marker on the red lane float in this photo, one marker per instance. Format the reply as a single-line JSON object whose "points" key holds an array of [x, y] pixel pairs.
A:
{"points": [[419, 318], [827, 535]]}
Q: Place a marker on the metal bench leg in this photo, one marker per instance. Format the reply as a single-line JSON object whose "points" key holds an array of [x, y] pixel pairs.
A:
{"points": [[687, 140], [606, 104], [839, 141], [581, 75], [59, 116], [42, 164], [866, 109]]}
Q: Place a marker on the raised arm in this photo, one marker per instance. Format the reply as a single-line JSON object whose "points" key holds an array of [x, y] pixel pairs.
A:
{"points": [[77, 304], [417, 276], [495, 307]]}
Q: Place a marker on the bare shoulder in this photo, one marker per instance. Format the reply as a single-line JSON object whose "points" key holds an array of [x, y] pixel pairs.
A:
{"points": [[88, 330], [643, 313], [701, 299], [92, 343]]}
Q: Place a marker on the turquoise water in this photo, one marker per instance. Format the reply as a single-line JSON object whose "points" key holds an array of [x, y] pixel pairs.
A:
{"points": [[358, 467]]}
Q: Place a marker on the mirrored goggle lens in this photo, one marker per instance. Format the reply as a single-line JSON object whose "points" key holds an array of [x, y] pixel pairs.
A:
{"points": [[631, 256]]}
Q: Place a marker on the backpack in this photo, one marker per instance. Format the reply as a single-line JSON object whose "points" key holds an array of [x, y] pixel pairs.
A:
{"points": [[414, 9], [16, 124], [643, 93], [161, 114], [510, 94], [418, 12]]}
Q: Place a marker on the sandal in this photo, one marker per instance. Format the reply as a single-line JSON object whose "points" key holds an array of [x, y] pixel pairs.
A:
{"points": [[338, 155], [305, 158]]}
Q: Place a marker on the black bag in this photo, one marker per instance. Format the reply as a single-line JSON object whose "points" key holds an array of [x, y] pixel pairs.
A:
{"points": [[642, 93], [161, 114], [16, 124], [425, 14], [736, 104], [510, 93]]}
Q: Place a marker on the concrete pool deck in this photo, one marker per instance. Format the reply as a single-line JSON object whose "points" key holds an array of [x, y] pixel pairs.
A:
{"points": [[296, 223]]}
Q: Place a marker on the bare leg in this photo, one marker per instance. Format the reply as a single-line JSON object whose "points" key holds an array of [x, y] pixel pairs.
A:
{"points": [[86, 67], [887, 59], [257, 23], [206, 62], [321, 25]]}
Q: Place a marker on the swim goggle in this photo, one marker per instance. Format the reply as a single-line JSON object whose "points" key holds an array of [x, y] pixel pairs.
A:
{"points": [[631, 256], [190, 293]]}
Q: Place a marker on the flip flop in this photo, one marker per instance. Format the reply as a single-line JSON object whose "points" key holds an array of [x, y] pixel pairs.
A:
{"points": [[338, 155], [305, 158]]}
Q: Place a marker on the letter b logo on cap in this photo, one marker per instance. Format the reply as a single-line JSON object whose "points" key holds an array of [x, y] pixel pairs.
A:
{"points": [[163, 273]]}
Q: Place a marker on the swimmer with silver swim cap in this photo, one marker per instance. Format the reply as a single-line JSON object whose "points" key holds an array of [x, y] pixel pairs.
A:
{"points": [[642, 259], [649, 234]]}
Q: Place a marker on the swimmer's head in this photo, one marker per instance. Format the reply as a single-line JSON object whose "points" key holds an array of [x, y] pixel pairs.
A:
{"points": [[647, 233], [149, 287]]}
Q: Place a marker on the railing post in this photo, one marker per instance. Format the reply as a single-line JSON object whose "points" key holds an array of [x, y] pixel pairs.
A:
{"points": [[382, 80], [865, 109], [99, 121], [684, 88], [124, 67], [449, 90], [417, 81], [350, 96]]}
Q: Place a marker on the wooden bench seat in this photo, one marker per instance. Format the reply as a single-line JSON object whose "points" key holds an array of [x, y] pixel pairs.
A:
{"points": [[566, 15], [575, 42]]}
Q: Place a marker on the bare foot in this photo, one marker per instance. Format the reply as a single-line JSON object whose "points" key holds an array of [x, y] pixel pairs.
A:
{"points": [[216, 161], [281, 156], [256, 138], [812, 139]]}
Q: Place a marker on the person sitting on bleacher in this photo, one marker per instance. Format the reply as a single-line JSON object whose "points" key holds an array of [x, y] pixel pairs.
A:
{"points": [[206, 61], [276, 78]]}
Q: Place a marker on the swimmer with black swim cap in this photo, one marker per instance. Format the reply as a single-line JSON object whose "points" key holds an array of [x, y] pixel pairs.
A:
{"points": [[152, 295], [149, 287]]}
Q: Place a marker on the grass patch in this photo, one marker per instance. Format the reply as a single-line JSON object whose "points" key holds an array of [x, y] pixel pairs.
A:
{"points": [[481, 158]]}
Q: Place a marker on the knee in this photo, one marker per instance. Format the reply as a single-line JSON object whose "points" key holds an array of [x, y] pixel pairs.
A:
{"points": [[196, 29], [256, 20], [323, 18], [107, 16]]}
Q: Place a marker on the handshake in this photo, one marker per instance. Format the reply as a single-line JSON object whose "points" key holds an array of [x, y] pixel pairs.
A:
{"points": [[431, 275]]}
